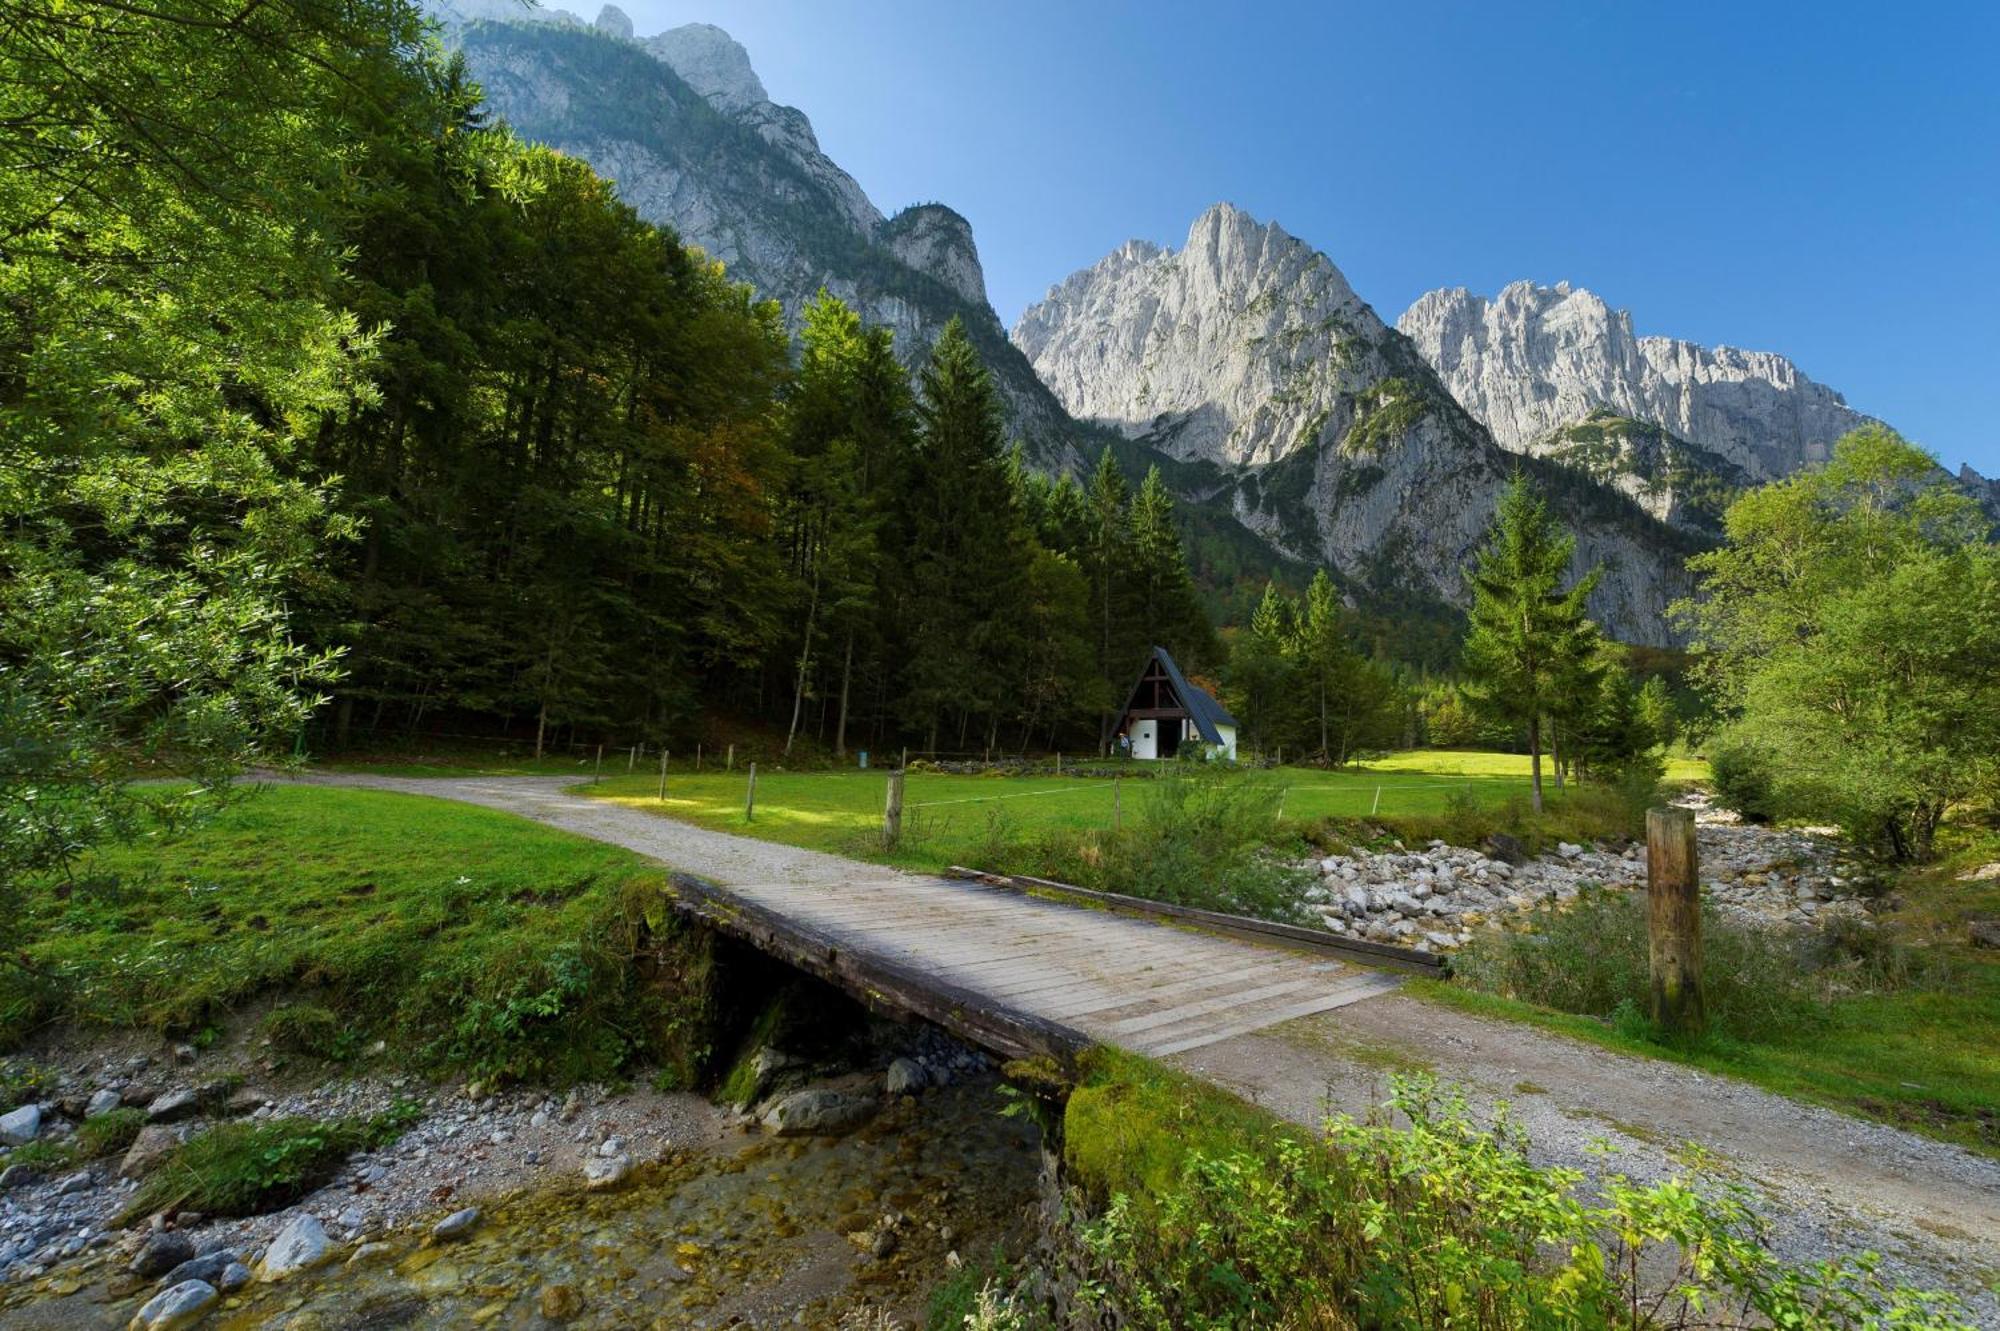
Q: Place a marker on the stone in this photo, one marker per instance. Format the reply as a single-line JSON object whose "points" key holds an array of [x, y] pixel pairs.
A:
{"points": [[300, 1245], [906, 1076], [234, 1277], [205, 1266], [1984, 933], [1506, 851], [19, 1176], [174, 1105], [102, 1102], [559, 1303], [369, 1252], [458, 1225], [245, 1100], [1568, 850], [153, 1144], [611, 1146], [20, 1126], [602, 1174], [182, 1305], [1985, 873], [818, 1111], [162, 1251]]}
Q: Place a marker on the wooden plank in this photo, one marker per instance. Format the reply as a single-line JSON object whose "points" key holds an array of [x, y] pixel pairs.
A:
{"points": [[1287, 935], [1354, 992], [1237, 998], [880, 983]]}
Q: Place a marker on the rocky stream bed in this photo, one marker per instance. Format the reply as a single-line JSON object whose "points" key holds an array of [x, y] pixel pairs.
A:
{"points": [[841, 1195]]}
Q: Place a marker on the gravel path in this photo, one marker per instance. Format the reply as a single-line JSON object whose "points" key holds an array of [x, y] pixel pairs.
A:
{"points": [[1829, 1184]]}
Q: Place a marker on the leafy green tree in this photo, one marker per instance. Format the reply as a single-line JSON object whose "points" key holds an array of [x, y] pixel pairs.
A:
{"points": [[172, 339], [1852, 625], [1260, 673], [1351, 697], [1527, 633]]}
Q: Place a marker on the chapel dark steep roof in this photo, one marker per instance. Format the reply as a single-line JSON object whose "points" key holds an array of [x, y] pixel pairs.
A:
{"points": [[1207, 714]]}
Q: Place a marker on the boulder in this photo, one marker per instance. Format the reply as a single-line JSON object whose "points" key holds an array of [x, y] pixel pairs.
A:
{"points": [[182, 1305], [1984, 933], [906, 1076], [234, 1277], [163, 1251], [174, 1105], [301, 1245], [818, 1112], [603, 1173], [19, 1176], [153, 1144], [458, 1225], [206, 1266], [102, 1102], [20, 1126]]}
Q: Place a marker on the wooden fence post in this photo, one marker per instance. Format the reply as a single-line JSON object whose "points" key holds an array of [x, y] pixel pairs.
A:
{"points": [[632, 760], [1117, 805], [697, 755], [731, 765], [750, 797], [892, 812], [598, 773], [1673, 921], [663, 776]]}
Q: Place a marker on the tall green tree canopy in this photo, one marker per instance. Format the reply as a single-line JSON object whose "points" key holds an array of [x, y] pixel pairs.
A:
{"points": [[170, 176], [1852, 628], [1529, 639]]}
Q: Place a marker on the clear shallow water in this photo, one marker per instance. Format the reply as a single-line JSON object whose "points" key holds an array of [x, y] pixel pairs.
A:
{"points": [[754, 1233]]}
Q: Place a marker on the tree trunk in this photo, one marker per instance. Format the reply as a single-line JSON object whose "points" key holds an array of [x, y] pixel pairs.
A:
{"points": [[1556, 752], [846, 677], [1535, 757], [805, 663]]}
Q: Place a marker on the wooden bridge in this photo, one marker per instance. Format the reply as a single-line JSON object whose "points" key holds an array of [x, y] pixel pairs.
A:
{"points": [[1017, 966]]}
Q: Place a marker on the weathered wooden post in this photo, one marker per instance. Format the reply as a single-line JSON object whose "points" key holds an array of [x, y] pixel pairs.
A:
{"points": [[697, 755], [906, 758], [750, 797], [1117, 805], [663, 776], [730, 766], [1058, 762], [1673, 921], [598, 773], [632, 760], [892, 812]]}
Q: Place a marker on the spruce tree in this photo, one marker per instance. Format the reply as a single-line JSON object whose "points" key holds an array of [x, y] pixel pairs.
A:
{"points": [[1528, 635], [969, 552]]}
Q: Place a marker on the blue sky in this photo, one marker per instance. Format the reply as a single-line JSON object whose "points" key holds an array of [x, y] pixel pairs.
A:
{"points": [[1819, 180]]}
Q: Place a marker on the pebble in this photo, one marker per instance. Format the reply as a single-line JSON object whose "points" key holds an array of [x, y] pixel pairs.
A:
{"points": [[457, 1225]]}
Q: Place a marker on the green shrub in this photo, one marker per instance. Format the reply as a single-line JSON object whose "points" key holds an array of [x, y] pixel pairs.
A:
{"points": [[973, 1292], [1200, 838], [22, 1081], [307, 1028], [1589, 957], [1449, 1223], [109, 1133], [1742, 781]]}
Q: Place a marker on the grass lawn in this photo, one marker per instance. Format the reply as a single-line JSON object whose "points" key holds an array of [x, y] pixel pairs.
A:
{"points": [[465, 938], [953, 818]]}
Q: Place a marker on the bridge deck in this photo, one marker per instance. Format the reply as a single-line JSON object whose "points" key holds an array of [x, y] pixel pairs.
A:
{"points": [[1144, 985]]}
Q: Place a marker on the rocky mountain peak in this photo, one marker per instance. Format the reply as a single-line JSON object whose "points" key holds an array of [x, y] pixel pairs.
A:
{"points": [[937, 240], [1227, 349], [711, 62], [1535, 360], [613, 22]]}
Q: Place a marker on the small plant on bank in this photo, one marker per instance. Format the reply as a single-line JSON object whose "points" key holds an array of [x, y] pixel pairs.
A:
{"points": [[109, 1133], [1449, 1223], [309, 1029], [238, 1169]]}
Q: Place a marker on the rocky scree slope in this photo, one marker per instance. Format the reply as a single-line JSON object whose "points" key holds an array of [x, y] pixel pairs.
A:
{"points": [[683, 125], [1247, 357]]}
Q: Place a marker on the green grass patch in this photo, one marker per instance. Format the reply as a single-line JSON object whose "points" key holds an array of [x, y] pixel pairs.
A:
{"points": [[472, 941], [249, 1168], [109, 1133]]}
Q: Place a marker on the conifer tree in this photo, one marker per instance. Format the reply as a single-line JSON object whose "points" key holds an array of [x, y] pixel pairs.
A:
{"points": [[968, 550], [1527, 634]]}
